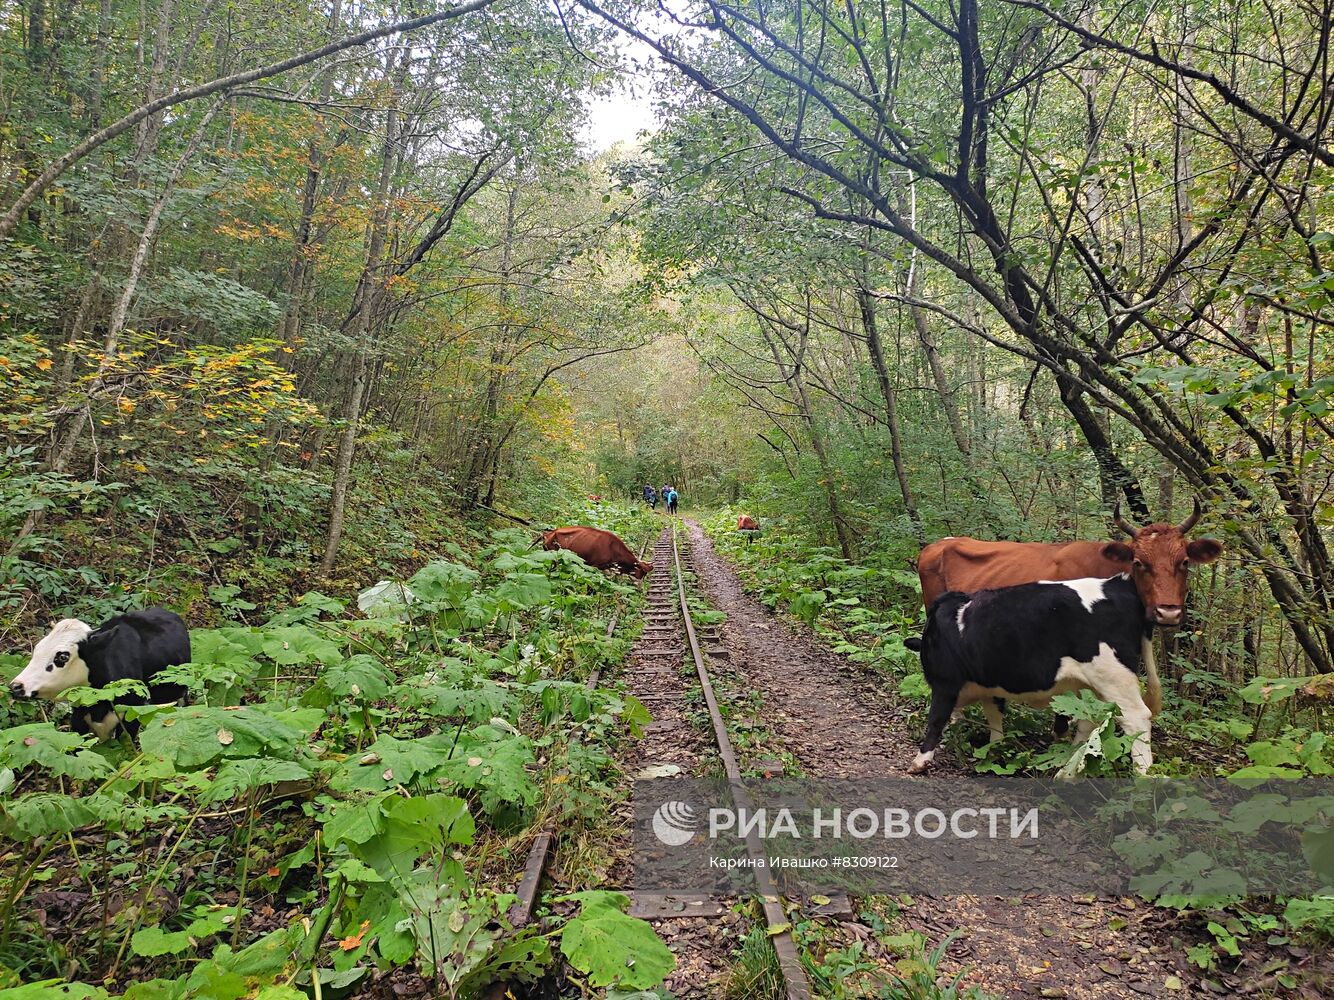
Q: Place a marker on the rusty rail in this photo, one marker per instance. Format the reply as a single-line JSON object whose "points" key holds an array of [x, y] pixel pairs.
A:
{"points": [[796, 984], [779, 928]]}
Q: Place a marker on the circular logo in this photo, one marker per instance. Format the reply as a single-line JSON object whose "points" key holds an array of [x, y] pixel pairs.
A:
{"points": [[674, 823]]}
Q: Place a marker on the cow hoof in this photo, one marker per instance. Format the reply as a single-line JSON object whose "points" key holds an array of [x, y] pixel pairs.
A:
{"points": [[920, 764]]}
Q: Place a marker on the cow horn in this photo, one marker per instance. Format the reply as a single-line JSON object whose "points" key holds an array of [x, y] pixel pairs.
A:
{"points": [[1122, 523], [1189, 522]]}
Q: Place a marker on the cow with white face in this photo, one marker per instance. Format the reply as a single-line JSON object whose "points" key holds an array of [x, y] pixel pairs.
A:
{"points": [[1032, 642], [133, 646]]}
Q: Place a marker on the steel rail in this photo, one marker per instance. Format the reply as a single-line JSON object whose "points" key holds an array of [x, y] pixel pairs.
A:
{"points": [[779, 928]]}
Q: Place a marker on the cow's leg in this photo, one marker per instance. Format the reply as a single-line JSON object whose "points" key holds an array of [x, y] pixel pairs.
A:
{"points": [[1083, 729], [995, 713], [1121, 687], [942, 705], [1135, 721]]}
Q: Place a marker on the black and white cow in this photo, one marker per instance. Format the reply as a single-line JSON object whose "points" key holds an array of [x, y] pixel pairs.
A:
{"points": [[133, 646], [1031, 642]]}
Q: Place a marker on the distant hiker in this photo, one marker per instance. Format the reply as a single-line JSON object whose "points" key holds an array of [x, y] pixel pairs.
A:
{"points": [[650, 496], [671, 500]]}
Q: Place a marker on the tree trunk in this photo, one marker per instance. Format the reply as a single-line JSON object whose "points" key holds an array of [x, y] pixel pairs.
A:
{"points": [[68, 436], [866, 305], [367, 298]]}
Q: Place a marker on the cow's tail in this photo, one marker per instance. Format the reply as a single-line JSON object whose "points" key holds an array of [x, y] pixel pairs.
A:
{"points": [[1153, 693]]}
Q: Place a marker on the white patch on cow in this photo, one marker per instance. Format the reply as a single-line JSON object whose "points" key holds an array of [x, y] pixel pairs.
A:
{"points": [[43, 677], [1111, 680], [1089, 589], [959, 617], [921, 762], [104, 727]]}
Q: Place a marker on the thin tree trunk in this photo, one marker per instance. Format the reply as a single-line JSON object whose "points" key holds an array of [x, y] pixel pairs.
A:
{"points": [[484, 442], [367, 299], [67, 437], [297, 283], [866, 304], [792, 375]]}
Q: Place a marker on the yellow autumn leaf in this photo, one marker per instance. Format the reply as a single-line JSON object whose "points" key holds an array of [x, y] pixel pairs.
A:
{"points": [[44, 364]]}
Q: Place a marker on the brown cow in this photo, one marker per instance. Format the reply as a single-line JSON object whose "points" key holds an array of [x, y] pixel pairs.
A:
{"points": [[600, 549], [1156, 558], [747, 523]]}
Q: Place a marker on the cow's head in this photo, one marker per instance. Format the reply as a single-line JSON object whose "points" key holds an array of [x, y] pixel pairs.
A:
{"points": [[1158, 558], [643, 569], [56, 663]]}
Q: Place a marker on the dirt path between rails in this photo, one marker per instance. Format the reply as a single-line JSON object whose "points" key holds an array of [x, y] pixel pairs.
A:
{"points": [[657, 674], [827, 713]]}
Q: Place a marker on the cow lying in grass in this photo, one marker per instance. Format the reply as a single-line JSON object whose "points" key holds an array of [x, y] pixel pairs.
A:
{"points": [[1032, 642], [134, 646], [600, 549]]}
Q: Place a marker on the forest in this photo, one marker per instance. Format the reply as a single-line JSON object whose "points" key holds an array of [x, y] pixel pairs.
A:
{"points": [[302, 301]]}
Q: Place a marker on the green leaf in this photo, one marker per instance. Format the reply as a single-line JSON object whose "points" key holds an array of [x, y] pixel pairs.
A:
{"points": [[359, 677], [292, 645], [237, 776], [494, 763], [806, 606], [197, 735], [446, 584], [42, 745], [523, 590], [153, 942], [614, 949], [390, 762], [44, 813]]}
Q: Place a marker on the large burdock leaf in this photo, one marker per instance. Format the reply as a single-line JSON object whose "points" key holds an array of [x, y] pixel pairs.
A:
{"points": [[390, 762], [295, 644], [614, 949], [42, 745], [359, 677], [442, 583], [493, 763], [407, 829], [523, 590], [238, 776], [197, 735], [44, 813]]}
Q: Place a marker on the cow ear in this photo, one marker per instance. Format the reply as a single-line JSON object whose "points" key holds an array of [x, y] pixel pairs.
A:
{"points": [[1118, 552], [1203, 550]]}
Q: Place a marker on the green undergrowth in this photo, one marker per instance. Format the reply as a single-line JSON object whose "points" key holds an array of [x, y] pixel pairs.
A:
{"points": [[348, 793]]}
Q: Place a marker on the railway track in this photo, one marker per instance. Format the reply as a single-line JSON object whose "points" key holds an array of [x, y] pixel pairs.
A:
{"points": [[673, 745], [778, 929]]}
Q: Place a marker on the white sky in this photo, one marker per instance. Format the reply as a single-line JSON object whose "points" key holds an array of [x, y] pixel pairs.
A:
{"points": [[619, 117], [628, 110]]}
